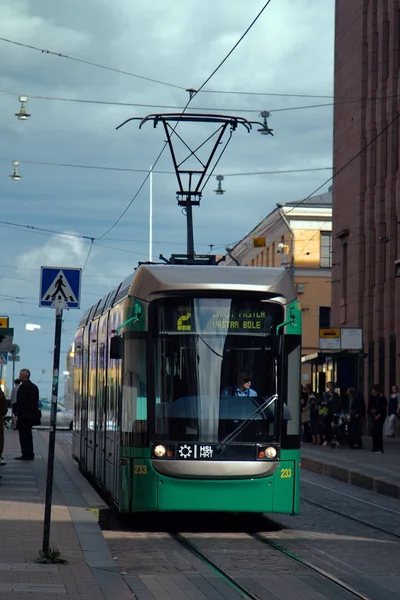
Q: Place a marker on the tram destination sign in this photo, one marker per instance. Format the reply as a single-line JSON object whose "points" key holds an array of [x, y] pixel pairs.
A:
{"points": [[220, 321], [219, 316]]}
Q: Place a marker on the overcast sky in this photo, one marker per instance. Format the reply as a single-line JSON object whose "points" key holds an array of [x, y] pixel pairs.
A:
{"points": [[289, 51]]}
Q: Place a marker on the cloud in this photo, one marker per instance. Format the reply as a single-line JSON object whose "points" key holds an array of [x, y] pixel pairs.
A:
{"points": [[289, 50]]}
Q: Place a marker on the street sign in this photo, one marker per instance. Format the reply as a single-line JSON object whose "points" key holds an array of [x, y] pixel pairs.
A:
{"points": [[3, 358], [6, 338], [4, 322], [15, 349], [329, 339], [344, 338], [60, 287], [329, 333], [13, 358], [352, 338]]}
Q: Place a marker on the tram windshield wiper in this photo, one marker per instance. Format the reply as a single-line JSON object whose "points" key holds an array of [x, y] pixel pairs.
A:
{"points": [[231, 436]]}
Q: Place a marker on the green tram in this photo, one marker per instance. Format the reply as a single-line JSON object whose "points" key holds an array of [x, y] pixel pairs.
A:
{"points": [[187, 391]]}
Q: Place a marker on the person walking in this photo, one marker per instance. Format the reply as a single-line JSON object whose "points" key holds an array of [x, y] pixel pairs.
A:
{"points": [[305, 415], [28, 414], [393, 409], [377, 412], [357, 414], [333, 402], [3, 412]]}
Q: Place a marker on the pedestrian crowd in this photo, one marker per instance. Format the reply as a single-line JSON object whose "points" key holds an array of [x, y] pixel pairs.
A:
{"points": [[331, 419]]}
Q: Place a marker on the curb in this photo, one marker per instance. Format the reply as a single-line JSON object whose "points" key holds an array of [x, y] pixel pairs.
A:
{"points": [[374, 484]]}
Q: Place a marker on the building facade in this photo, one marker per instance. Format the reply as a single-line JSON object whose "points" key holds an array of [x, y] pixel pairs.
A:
{"points": [[366, 195], [297, 235]]}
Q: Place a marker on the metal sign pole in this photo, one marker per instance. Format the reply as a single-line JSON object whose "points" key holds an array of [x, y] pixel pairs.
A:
{"points": [[52, 437]]}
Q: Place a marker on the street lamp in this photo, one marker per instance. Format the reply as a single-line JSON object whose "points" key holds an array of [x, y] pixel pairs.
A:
{"points": [[219, 189], [22, 114], [15, 175], [265, 130]]}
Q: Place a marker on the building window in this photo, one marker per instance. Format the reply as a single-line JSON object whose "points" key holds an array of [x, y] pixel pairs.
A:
{"points": [[324, 317], [326, 250]]}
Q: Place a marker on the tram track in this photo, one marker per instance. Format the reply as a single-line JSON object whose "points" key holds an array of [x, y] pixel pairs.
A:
{"points": [[183, 541], [193, 549], [339, 513], [332, 578], [351, 518]]}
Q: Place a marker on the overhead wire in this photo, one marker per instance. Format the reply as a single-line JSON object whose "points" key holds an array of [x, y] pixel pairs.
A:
{"points": [[200, 90], [130, 170], [343, 167], [336, 173], [234, 47], [173, 107], [335, 100], [191, 96], [44, 229], [88, 255], [93, 64]]}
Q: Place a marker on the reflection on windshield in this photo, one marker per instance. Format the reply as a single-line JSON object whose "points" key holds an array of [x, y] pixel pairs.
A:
{"points": [[215, 365]]}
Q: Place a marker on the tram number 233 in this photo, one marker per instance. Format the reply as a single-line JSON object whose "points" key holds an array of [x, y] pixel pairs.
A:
{"points": [[140, 470], [286, 473]]}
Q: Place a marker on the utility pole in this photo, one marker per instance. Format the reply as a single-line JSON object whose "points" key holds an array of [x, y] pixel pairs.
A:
{"points": [[52, 437], [60, 288], [193, 179], [151, 214]]}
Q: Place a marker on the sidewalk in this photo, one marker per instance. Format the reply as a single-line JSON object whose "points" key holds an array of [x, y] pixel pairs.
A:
{"points": [[377, 472], [90, 571]]}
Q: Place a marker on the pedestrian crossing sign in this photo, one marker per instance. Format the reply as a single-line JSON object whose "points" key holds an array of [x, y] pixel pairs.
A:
{"points": [[60, 287]]}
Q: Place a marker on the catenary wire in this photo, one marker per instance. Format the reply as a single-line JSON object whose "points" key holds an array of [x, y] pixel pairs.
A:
{"points": [[174, 107], [234, 47], [93, 64], [349, 162], [191, 96], [336, 173], [99, 66], [88, 255], [129, 170], [228, 92], [43, 229], [336, 100]]}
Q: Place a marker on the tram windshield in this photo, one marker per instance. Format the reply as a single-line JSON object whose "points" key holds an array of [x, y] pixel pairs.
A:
{"points": [[216, 363]]}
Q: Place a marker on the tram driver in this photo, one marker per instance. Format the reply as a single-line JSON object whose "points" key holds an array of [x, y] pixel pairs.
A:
{"points": [[242, 387]]}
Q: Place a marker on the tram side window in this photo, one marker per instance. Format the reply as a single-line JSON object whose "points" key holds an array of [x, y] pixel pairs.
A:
{"points": [[134, 395]]}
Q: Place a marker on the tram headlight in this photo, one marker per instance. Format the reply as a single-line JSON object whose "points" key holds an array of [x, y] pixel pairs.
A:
{"points": [[160, 451], [270, 452]]}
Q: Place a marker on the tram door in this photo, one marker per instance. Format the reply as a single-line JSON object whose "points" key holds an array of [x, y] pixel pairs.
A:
{"points": [[112, 403], [92, 391], [84, 405], [78, 393], [101, 392]]}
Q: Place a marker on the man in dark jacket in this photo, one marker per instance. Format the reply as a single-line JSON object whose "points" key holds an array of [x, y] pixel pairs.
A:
{"points": [[377, 411], [357, 414], [27, 411]]}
